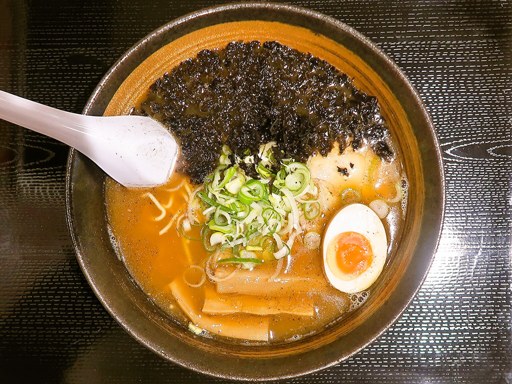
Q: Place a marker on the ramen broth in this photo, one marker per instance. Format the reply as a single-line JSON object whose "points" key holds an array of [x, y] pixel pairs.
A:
{"points": [[278, 300], [274, 143]]}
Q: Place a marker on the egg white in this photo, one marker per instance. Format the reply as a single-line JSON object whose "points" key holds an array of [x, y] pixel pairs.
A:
{"points": [[361, 219]]}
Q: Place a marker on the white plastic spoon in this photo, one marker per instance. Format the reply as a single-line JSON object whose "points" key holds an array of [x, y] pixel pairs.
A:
{"points": [[136, 151]]}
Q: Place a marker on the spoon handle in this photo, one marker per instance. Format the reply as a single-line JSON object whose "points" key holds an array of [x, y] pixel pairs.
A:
{"points": [[66, 127]]}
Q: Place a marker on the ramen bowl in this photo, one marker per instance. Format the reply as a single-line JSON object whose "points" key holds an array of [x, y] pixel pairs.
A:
{"points": [[374, 73]]}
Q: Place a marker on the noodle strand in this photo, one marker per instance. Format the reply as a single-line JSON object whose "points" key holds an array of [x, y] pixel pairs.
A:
{"points": [[169, 225], [163, 211]]}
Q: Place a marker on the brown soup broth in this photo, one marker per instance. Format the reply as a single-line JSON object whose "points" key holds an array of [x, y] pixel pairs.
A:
{"points": [[155, 260], [145, 222]]}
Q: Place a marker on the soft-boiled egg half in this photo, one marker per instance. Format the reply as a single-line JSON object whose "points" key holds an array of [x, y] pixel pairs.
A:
{"points": [[354, 248]]}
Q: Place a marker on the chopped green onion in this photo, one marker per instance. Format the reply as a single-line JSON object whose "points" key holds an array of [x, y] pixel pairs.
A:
{"points": [[254, 248], [226, 150], [273, 220], [264, 171], [267, 243], [234, 185], [227, 228], [279, 181], [256, 215], [252, 190], [266, 154], [298, 177], [221, 217], [241, 260], [293, 207], [206, 199], [217, 238], [283, 252], [311, 210], [254, 227], [205, 237], [249, 159], [184, 228], [239, 209], [228, 175], [209, 211]]}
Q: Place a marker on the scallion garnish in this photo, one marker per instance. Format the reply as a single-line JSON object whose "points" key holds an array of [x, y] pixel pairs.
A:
{"points": [[257, 217], [252, 190], [241, 260]]}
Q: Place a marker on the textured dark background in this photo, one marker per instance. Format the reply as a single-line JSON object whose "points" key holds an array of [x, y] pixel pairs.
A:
{"points": [[458, 329]]}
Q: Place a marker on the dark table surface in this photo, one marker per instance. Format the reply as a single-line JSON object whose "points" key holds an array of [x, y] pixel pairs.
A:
{"points": [[458, 54]]}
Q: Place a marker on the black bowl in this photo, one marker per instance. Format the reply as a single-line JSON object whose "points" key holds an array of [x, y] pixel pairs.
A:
{"points": [[411, 126]]}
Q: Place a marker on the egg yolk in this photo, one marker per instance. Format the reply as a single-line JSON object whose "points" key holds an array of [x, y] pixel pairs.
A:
{"points": [[353, 252]]}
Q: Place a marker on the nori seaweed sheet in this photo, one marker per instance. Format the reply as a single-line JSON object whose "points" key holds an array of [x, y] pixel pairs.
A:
{"points": [[248, 94]]}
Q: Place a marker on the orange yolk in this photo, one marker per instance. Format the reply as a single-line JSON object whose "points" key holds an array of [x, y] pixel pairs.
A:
{"points": [[353, 252]]}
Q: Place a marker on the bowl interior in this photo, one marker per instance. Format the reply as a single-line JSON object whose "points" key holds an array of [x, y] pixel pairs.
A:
{"points": [[306, 31]]}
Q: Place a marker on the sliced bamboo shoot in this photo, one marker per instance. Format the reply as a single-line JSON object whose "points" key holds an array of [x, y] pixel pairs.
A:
{"points": [[257, 283], [221, 304], [246, 327]]}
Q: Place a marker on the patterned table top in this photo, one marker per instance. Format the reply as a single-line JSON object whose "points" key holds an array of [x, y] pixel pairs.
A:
{"points": [[458, 54]]}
